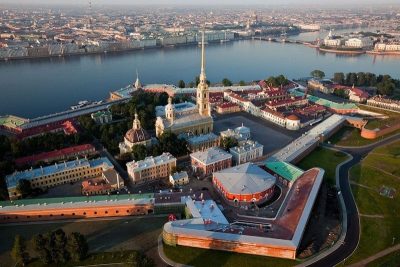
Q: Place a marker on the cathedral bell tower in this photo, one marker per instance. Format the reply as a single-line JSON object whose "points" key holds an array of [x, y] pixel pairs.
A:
{"points": [[202, 97], [170, 111]]}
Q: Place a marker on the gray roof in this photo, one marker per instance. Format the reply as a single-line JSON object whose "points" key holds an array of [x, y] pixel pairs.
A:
{"points": [[211, 155], [245, 179]]}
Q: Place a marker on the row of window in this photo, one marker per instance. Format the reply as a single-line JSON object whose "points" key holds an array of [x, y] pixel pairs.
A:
{"points": [[72, 214]]}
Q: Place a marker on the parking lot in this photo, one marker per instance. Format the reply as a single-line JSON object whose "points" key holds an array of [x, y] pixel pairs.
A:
{"points": [[268, 134]]}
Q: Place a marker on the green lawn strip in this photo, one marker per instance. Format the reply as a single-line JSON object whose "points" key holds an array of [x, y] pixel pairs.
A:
{"points": [[326, 159], [391, 149], [376, 233], [390, 260], [206, 257], [386, 162], [350, 136], [97, 258]]}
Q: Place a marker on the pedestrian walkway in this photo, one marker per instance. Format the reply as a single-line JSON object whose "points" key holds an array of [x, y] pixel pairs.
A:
{"points": [[376, 256]]}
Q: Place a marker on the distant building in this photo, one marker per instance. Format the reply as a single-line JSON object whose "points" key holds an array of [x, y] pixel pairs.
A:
{"points": [[387, 47], [384, 102], [135, 136], [151, 168], [363, 42], [227, 107], [323, 86], [211, 160], [248, 151], [102, 117], [333, 41], [358, 95], [246, 183], [58, 174], [179, 178]]}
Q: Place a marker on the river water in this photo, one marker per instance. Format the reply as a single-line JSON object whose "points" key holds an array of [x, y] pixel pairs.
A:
{"points": [[37, 87]]}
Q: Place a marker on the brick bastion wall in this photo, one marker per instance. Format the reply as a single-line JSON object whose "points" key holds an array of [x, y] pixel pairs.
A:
{"points": [[375, 133]]}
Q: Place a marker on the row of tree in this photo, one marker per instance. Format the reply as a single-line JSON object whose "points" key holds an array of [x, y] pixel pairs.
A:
{"points": [[54, 247], [385, 84], [277, 81], [225, 82], [168, 141]]}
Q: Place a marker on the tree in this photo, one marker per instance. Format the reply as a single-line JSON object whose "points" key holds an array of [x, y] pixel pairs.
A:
{"points": [[351, 78], [139, 152], [181, 84], [386, 87], [338, 77], [228, 142], [39, 245], [18, 251], [77, 246], [170, 142], [242, 83], [319, 74], [361, 79], [277, 81], [226, 82], [24, 187]]}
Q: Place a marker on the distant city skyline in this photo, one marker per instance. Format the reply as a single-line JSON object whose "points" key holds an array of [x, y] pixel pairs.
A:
{"points": [[203, 2]]}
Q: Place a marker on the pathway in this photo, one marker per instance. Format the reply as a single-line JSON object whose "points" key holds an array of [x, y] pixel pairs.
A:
{"points": [[371, 215], [378, 255]]}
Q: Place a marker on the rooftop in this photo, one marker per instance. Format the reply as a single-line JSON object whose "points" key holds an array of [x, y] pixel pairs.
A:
{"points": [[54, 154], [211, 155], [50, 203], [13, 179], [285, 170], [202, 138], [11, 121], [246, 178], [151, 162], [179, 175], [247, 146]]}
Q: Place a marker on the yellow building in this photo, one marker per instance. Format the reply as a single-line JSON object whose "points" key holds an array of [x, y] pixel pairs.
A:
{"points": [[58, 174], [196, 120]]}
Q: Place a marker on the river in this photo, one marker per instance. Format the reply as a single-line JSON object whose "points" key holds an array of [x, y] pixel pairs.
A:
{"points": [[37, 87]]}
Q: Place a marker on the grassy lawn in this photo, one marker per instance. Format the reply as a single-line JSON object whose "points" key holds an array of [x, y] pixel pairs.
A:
{"points": [[204, 257], [377, 233], [390, 260], [326, 159], [130, 233], [349, 136], [394, 117]]}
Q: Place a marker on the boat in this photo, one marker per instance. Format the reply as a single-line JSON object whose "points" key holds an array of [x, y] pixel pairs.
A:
{"points": [[81, 104]]}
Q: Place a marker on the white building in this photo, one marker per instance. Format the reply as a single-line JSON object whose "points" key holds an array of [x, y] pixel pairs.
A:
{"points": [[359, 42], [248, 151], [179, 178], [151, 168], [241, 134], [387, 47]]}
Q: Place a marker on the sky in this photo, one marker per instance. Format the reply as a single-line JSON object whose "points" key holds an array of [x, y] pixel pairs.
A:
{"points": [[204, 2]]}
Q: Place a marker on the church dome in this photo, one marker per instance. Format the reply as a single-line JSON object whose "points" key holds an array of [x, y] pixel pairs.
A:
{"points": [[293, 117], [137, 135]]}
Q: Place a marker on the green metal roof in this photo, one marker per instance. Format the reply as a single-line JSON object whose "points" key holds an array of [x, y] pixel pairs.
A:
{"points": [[284, 169], [41, 201], [325, 102]]}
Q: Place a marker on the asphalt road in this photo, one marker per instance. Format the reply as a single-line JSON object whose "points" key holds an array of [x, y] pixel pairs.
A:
{"points": [[353, 222]]}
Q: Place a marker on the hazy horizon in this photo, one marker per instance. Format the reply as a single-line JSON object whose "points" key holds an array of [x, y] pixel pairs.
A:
{"points": [[202, 2]]}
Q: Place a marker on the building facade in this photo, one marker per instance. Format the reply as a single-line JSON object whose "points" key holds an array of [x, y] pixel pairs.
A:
{"points": [[102, 117], [151, 168], [179, 178], [58, 174], [213, 159], [248, 151]]}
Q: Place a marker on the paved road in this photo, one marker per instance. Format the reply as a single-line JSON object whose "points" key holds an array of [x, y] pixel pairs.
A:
{"points": [[353, 224]]}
